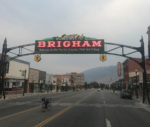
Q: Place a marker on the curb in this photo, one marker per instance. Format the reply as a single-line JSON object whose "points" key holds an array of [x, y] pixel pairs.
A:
{"points": [[17, 96], [140, 102], [13, 97]]}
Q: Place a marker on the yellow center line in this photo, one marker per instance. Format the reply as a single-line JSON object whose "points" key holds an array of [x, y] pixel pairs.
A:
{"points": [[78, 102], [53, 117], [18, 113], [60, 112]]}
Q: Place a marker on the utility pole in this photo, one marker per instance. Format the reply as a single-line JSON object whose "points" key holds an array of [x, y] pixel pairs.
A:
{"points": [[136, 86], [145, 87], [3, 64], [148, 32], [25, 71]]}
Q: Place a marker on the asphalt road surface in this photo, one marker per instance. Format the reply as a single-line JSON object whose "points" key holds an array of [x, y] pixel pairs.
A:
{"points": [[84, 108]]}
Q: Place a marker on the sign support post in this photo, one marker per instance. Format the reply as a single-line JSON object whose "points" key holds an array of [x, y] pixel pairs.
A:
{"points": [[145, 88], [3, 69]]}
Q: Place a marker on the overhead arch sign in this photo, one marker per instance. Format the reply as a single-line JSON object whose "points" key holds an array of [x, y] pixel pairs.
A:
{"points": [[72, 44]]}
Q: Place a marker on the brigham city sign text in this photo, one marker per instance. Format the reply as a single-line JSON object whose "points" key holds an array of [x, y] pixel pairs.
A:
{"points": [[70, 46]]}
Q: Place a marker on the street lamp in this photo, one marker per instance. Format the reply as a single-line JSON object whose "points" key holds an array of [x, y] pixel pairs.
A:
{"points": [[24, 74], [136, 91]]}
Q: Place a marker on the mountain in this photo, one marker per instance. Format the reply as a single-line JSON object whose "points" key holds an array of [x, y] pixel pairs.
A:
{"points": [[102, 74]]}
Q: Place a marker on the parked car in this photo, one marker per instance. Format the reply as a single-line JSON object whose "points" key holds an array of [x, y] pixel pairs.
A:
{"points": [[98, 90], [126, 94]]}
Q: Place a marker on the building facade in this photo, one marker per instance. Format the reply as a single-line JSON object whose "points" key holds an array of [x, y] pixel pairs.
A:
{"points": [[133, 70], [77, 79], [133, 76], [17, 76], [34, 80], [50, 82], [70, 80], [42, 79]]}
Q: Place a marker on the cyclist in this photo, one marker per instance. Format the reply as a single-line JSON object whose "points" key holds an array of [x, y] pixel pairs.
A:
{"points": [[45, 101]]}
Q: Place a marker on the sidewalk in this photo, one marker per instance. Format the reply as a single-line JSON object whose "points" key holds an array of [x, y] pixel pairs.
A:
{"points": [[138, 100], [16, 96]]}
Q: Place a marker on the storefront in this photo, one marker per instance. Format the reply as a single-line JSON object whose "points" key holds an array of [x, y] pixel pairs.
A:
{"points": [[17, 77]]}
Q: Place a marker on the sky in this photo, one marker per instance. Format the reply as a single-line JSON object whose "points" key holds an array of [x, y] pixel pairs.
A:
{"points": [[116, 21]]}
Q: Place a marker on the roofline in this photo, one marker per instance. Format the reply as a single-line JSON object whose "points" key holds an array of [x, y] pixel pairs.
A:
{"points": [[131, 60], [38, 70], [21, 61], [34, 69]]}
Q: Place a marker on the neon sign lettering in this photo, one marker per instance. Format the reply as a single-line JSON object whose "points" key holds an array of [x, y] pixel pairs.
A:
{"points": [[66, 44], [69, 46]]}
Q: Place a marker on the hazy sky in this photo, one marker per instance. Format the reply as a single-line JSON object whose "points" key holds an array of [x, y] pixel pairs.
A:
{"points": [[119, 21]]}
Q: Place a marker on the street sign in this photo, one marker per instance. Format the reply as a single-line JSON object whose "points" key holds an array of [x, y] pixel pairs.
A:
{"points": [[69, 44], [119, 69], [37, 58], [103, 58]]}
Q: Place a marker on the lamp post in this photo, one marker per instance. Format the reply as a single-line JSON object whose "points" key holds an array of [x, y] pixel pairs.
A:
{"points": [[25, 71], [24, 74], [136, 91]]}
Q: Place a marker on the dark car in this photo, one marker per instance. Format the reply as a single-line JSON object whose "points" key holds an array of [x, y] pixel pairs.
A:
{"points": [[126, 94]]}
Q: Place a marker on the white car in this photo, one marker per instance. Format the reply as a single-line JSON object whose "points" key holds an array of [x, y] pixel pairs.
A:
{"points": [[98, 90]]}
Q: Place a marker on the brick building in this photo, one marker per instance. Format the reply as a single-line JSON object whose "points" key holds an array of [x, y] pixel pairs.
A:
{"points": [[133, 71], [77, 78], [70, 79]]}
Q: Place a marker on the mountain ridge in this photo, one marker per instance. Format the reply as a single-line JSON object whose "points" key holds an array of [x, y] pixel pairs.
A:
{"points": [[105, 74]]}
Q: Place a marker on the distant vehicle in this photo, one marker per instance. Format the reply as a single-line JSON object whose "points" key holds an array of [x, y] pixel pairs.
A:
{"points": [[98, 90], [126, 94]]}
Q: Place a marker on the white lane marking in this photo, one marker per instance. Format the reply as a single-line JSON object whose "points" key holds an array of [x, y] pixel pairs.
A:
{"points": [[108, 123]]}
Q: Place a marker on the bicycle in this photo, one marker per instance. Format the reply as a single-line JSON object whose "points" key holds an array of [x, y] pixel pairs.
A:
{"points": [[46, 103]]}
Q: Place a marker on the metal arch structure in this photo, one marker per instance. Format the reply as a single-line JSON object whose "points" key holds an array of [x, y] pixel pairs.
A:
{"points": [[121, 47], [21, 48], [20, 51], [123, 53]]}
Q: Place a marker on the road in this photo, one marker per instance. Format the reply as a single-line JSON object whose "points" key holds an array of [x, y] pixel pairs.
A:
{"points": [[84, 108]]}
